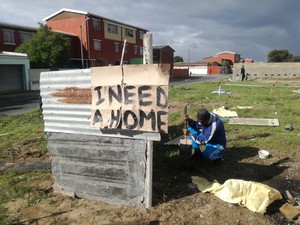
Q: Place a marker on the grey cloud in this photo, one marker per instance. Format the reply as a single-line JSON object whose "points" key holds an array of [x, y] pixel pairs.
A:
{"points": [[250, 28]]}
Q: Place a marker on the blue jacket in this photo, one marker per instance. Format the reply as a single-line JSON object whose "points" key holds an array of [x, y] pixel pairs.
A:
{"points": [[213, 133]]}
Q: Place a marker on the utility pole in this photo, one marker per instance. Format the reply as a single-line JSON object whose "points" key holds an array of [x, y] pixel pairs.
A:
{"points": [[81, 44]]}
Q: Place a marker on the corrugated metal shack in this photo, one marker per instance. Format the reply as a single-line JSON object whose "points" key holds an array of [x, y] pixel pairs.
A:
{"points": [[97, 164]]}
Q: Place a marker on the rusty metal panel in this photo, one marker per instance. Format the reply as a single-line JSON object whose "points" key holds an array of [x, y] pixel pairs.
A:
{"points": [[66, 98], [99, 168]]}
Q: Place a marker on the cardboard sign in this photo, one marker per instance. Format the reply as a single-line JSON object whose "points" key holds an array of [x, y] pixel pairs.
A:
{"points": [[132, 98]]}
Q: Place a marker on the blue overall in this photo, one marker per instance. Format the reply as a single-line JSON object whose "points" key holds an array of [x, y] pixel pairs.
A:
{"points": [[212, 136]]}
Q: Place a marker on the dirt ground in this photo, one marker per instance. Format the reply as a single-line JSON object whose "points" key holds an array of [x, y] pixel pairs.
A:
{"points": [[175, 199]]}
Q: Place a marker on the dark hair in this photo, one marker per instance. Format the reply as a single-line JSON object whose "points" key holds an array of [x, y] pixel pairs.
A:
{"points": [[203, 114]]}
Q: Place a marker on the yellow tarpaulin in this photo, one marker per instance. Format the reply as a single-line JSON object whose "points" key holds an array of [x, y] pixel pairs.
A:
{"points": [[255, 196]]}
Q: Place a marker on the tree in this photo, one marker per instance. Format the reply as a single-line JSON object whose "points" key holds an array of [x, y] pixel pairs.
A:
{"points": [[280, 56], [296, 58], [178, 59], [46, 49]]}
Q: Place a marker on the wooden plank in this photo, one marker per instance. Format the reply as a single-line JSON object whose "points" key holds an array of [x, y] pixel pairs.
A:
{"points": [[181, 140], [254, 122], [289, 211]]}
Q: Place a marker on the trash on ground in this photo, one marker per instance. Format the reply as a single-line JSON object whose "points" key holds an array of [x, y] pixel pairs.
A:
{"points": [[289, 127], [253, 195], [263, 154], [222, 112], [220, 91], [244, 107], [291, 199], [289, 211], [297, 91]]}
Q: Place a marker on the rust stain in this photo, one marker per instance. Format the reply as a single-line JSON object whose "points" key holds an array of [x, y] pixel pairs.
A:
{"points": [[74, 95]]}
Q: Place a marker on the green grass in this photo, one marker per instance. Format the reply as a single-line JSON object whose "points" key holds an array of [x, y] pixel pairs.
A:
{"points": [[22, 132], [17, 185], [268, 100], [4, 218]]}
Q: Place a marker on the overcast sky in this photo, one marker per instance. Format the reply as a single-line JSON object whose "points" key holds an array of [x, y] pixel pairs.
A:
{"points": [[193, 28]]}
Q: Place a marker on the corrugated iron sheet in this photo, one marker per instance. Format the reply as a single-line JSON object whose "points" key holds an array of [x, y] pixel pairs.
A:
{"points": [[66, 98]]}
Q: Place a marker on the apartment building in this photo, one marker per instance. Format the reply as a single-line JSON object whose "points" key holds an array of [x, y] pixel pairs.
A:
{"points": [[12, 35], [101, 39]]}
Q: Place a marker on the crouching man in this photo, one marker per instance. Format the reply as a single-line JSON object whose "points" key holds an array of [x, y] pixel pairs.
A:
{"points": [[208, 130]]}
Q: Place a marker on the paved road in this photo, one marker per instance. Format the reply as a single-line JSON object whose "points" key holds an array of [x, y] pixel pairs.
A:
{"points": [[197, 79], [18, 103]]}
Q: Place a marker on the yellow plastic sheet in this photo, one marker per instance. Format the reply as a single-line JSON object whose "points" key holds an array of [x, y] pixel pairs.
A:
{"points": [[253, 195]]}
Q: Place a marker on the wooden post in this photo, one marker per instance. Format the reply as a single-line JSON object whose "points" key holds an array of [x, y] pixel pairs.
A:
{"points": [[148, 182], [148, 49], [148, 59]]}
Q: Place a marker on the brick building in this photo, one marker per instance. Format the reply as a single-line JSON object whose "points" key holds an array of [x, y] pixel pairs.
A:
{"points": [[94, 40], [101, 39], [165, 55], [222, 63], [12, 35], [232, 56]]}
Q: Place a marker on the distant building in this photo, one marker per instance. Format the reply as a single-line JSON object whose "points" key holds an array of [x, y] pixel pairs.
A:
{"points": [[247, 60], [94, 40], [14, 72], [223, 62], [232, 56], [101, 39], [189, 69], [12, 35], [212, 59], [164, 54], [218, 65]]}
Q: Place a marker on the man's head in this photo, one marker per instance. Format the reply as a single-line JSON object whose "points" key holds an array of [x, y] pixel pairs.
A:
{"points": [[203, 116]]}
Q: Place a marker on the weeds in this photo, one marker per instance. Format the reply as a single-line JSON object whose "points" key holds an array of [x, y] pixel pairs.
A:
{"points": [[22, 135]]}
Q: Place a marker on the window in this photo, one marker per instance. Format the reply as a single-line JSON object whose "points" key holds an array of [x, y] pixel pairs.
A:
{"points": [[126, 49], [25, 36], [112, 28], [141, 35], [9, 37], [97, 45], [128, 32], [141, 50], [116, 47], [136, 49], [96, 24]]}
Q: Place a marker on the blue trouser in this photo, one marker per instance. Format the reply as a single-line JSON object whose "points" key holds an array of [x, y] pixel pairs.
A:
{"points": [[211, 152]]}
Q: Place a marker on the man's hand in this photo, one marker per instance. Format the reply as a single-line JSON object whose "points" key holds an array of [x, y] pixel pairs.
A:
{"points": [[186, 132], [185, 117]]}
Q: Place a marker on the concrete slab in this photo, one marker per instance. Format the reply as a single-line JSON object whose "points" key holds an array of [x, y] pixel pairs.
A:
{"points": [[254, 122]]}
